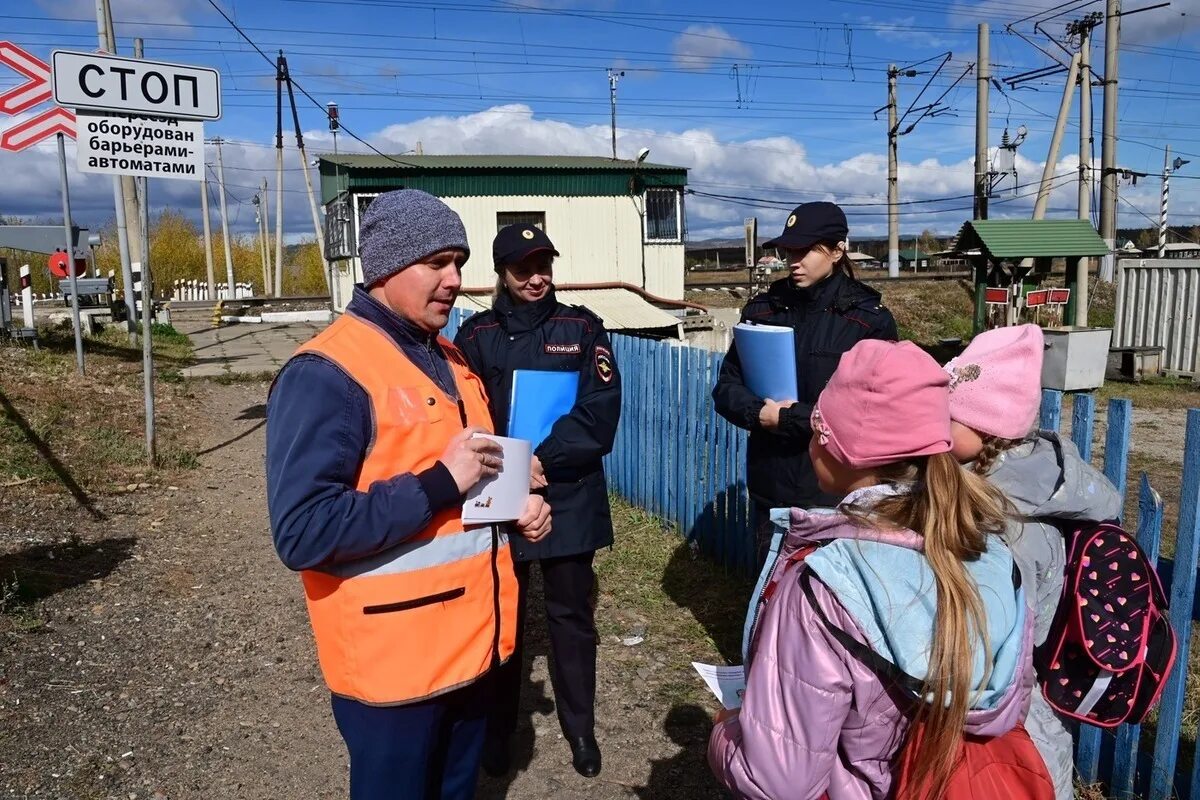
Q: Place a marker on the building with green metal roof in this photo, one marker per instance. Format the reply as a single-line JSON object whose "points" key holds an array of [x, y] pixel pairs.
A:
{"points": [[613, 220], [1020, 251]]}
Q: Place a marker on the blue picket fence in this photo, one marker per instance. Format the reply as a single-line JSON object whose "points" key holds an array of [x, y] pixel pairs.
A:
{"points": [[677, 459]]}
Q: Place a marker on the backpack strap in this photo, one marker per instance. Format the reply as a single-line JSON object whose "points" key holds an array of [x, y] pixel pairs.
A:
{"points": [[886, 670]]}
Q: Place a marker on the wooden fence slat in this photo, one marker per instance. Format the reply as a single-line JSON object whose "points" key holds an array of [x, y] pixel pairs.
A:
{"points": [[1083, 417], [669, 413], [1116, 445], [1166, 748], [718, 479], [1051, 417], [1083, 421], [692, 459], [678, 381], [1125, 751]]}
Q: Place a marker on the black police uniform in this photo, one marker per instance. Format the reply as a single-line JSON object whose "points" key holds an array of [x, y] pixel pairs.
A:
{"points": [[828, 319], [549, 335]]}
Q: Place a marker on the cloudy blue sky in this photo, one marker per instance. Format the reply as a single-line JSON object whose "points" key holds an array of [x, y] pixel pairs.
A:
{"points": [[769, 101]]}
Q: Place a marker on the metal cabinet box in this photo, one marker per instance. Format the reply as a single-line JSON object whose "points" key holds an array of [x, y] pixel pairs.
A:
{"points": [[1076, 358]]}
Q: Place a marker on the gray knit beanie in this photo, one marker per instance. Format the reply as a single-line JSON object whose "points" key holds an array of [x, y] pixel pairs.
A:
{"points": [[400, 228]]}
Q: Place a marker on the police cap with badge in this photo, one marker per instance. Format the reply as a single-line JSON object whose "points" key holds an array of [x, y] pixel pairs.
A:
{"points": [[514, 243], [811, 223]]}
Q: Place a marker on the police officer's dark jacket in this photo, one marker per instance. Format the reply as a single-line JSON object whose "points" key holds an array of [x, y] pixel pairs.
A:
{"points": [[548, 335], [829, 319]]}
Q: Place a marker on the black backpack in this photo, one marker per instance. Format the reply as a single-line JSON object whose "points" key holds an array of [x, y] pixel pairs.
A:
{"points": [[1110, 647]]}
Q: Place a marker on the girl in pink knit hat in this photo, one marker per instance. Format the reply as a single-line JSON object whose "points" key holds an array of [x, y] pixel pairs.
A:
{"points": [[903, 592], [995, 396]]}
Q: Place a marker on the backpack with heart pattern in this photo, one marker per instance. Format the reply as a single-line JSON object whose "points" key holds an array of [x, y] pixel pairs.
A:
{"points": [[1110, 647]]}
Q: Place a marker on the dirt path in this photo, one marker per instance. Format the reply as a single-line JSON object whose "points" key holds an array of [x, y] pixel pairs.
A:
{"points": [[168, 655]]}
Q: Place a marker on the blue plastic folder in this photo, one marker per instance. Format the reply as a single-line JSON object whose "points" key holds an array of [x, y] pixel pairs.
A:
{"points": [[768, 356], [538, 399]]}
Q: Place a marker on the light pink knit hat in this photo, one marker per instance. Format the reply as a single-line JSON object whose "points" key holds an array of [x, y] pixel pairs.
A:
{"points": [[996, 384], [887, 402]]}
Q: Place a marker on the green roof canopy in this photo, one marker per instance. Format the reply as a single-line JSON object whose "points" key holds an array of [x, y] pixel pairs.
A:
{"points": [[460, 176], [1031, 238]]}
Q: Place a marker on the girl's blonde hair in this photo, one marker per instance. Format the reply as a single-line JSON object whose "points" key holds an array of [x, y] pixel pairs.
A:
{"points": [[954, 510]]}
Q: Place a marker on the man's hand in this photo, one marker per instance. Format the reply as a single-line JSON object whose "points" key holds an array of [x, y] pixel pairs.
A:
{"points": [[537, 476], [470, 460], [534, 524], [768, 416]]}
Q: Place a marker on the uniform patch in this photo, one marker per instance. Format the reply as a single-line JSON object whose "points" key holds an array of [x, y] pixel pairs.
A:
{"points": [[563, 349], [604, 364]]}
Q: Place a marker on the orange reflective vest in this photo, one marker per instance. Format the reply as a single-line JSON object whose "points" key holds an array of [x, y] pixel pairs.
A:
{"points": [[439, 610]]}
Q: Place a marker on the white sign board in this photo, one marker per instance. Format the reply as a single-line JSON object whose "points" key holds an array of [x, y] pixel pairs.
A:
{"points": [[114, 144], [134, 86]]}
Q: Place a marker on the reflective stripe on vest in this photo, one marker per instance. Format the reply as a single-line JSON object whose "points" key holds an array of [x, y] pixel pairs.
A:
{"points": [[443, 549], [437, 611]]}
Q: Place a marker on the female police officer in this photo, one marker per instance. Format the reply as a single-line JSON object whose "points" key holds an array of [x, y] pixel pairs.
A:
{"points": [[830, 312], [527, 328]]}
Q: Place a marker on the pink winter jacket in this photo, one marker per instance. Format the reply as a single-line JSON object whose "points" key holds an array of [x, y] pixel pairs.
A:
{"points": [[814, 719]]}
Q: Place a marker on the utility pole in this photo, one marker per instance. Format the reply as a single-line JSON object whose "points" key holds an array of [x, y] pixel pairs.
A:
{"points": [[266, 209], [1060, 124], [613, 77], [224, 218], [71, 271], [1108, 151], [312, 200], [1083, 28], [278, 170], [260, 214], [107, 45], [1168, 167], [982, 78], [128, 184], [147, 335], [893, 187], [208, 259], [1162, 209], [262, 240]]}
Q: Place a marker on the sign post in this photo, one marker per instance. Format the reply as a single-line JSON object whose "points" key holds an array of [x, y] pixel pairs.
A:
{"points": [[149, 127], [62, 173]]}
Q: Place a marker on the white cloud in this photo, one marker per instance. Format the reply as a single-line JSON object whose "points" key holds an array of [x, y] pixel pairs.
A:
{"points": [[907, 31], [134, 13], [699, 45]]}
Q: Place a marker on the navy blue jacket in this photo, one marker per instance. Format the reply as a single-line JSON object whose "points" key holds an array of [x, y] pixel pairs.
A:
{"points": [[829, 319], [319, 427], [548, 335]]}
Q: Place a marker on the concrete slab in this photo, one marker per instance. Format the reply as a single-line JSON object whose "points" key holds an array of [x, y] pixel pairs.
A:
{"points": [[241, 349]]}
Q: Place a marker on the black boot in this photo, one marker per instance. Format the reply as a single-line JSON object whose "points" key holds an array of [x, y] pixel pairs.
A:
{"points": [[585, 756]]}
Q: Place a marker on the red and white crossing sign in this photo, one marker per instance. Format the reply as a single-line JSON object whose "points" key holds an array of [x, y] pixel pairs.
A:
{"points": [[33, 130], [36, 90]]}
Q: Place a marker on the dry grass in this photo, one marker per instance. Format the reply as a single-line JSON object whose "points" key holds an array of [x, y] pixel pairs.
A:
{"points": [[83, 433]]}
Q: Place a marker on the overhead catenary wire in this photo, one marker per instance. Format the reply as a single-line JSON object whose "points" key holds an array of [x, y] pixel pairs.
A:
{"points": [[303, 91]]}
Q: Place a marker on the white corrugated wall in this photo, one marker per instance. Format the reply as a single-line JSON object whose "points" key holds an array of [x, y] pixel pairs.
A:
{"points": [[1158, 305]]}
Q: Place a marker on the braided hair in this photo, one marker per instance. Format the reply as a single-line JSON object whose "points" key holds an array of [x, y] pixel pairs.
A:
{"points": [[993, 448]]}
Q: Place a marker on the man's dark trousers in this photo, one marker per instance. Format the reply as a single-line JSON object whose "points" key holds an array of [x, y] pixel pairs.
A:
{"points": [[424, 751], [568, 584]]}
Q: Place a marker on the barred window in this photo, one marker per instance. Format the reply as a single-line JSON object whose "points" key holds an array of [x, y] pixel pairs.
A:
{"points": [[662, 215], [535, 218]]}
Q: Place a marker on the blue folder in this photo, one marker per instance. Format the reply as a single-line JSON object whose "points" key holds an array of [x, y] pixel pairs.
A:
{"points": [[538, 399], [768, 356]]}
